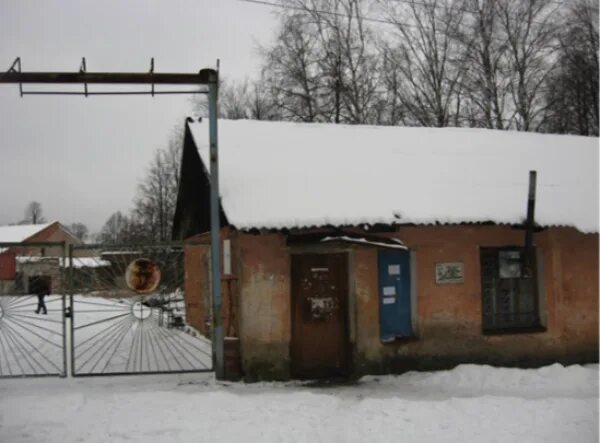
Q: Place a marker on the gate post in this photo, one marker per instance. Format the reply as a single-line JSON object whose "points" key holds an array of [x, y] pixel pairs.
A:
{"points": [[215, 228], [71, 313], [65, 286]]}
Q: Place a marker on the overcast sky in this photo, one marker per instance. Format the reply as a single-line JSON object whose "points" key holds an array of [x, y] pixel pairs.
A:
{"points": [[82, 158]]}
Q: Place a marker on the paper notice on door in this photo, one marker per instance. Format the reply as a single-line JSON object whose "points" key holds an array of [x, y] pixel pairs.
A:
{"points": [[389, 290], [394, 270], [389, 300]]}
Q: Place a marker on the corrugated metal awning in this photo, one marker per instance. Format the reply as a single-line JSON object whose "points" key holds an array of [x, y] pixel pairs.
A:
{"points": [[383, 242]]}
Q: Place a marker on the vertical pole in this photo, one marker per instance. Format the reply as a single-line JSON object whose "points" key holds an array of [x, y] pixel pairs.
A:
{"points": [[215, 227], [529, 224], [62, 266], [71, 311]]}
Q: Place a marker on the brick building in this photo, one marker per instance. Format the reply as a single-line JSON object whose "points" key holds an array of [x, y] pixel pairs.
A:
{"points": [[32, 263], [350, 250]]}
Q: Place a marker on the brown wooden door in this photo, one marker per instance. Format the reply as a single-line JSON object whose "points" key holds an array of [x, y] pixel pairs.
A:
{"points": [[320, 344]]}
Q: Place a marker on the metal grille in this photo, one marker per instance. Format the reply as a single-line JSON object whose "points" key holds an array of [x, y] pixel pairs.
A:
{"points": [[32, 302], [120, 328], [509, 298]]}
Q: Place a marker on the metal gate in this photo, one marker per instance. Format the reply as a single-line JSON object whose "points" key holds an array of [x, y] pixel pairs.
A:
{"points": [[128, 312], [124, 308], [32, 305]]}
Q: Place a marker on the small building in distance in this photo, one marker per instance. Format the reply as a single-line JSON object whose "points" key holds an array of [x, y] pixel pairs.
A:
{"points": [[350, 250], [31, 260]]}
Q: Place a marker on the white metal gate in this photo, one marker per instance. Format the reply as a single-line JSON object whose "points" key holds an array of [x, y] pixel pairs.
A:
{"points": [[128, 312]]}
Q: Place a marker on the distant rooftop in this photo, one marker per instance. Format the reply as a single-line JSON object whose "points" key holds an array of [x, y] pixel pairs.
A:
{"points": [[19, 233]]}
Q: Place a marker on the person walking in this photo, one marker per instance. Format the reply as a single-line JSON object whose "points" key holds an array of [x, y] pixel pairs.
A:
{"points": [[41, 289], [41, 305]]}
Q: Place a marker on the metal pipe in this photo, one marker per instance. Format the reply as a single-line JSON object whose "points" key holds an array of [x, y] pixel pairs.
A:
{"points": [[215, 228], [120, 373], [71, 311], [201, 78], [63, 287], [529, 223], [174, 92]]}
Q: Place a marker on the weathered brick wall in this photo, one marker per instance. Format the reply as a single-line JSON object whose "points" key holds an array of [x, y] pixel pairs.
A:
{"points": [[8, 265], [575, 280], [449, 320], [264, 306], [197, 287], [47, 267], [55, 233]]}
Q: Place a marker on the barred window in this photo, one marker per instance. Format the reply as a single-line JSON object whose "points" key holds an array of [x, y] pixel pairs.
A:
{"points": [[510, 297]]}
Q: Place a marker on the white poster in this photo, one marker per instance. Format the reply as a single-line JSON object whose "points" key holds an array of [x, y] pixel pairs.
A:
{"points": [[389, 290], [394, 270]]}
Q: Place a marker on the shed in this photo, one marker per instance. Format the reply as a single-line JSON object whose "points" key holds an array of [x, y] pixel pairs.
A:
{"points": [[30, 256], [359, 249]]}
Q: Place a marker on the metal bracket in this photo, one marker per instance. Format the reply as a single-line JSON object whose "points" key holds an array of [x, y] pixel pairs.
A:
{"points": [[83, 69], [17, 64]]}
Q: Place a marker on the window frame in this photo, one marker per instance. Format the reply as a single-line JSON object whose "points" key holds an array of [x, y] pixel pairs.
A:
{"points": [[537, 289]]}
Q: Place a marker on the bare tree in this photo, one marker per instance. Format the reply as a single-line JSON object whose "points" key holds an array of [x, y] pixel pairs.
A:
{"points": [[486, 82], [34, 213], [389, 108], [154, 205], [234, 100], [260, 103], [323, 66], [240, 100], [156, 198], [347, 61], [530, 29], [291, 69], [115, 229], [572, 91], [79, 230], [499, 64], [426, 54]]}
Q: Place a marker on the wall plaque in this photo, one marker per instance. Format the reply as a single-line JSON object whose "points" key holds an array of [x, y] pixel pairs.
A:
{"points": [[449, 272]]}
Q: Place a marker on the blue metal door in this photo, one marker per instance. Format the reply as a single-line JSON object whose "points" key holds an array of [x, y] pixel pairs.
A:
{"points": [[394, 295]]}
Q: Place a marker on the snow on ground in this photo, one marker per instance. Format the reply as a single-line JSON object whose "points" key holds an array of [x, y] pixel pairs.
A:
{"points": [[469, 403]]}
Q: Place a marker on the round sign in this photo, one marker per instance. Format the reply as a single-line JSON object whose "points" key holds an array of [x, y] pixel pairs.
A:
{"points": [[140, 311], [142, 276]]}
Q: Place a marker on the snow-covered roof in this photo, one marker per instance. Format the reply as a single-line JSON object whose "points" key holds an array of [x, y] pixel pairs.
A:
{"points": [[19, 233], [78, 262], [280, 174]]}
